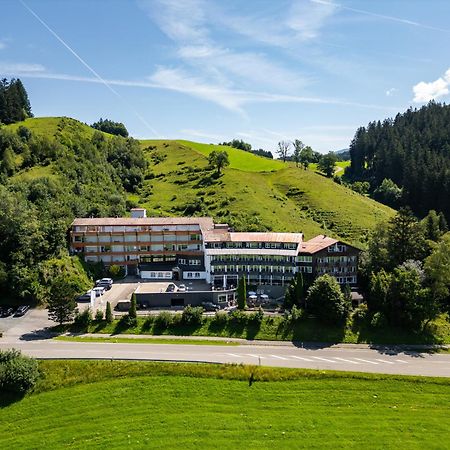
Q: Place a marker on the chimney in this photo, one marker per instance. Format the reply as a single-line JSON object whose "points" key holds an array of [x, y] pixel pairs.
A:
{"points": [[138, 213]]}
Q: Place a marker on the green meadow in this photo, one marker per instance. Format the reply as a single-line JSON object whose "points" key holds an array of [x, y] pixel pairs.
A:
{"points": [[113, 404]]}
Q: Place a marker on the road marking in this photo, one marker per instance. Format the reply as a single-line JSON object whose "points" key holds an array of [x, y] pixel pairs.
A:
{"points": [[299, 357], [256, 356], [401, 361], [347, 360], [278, 357], [236, 356], [384, 361], [324, 359], [366, 361]]}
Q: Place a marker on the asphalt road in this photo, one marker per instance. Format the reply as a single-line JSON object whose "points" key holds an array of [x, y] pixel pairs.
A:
{"points": [[348, 359]]}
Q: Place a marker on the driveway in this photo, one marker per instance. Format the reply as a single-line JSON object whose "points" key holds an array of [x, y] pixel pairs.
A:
{"points": [[34, 320]]}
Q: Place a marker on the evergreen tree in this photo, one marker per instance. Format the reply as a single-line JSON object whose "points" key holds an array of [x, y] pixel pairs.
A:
{"points": [[61, 300], [432, 229], [294, 294], [132, 313], [405, 238], [443, 227], [108, 313], [242, 293]]}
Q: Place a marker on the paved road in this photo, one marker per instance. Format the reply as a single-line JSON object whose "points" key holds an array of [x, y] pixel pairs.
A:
{"points": [[361, 360]]}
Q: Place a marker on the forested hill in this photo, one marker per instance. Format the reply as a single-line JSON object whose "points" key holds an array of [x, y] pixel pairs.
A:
{"points": [[412, 150]]}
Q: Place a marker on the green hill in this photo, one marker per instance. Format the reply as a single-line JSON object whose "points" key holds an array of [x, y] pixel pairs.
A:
{"points": [[254, 193]]}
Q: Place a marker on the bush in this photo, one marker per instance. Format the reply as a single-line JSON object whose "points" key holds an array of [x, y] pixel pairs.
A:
{"points": [[163, 320], [84, 319], [99, 315], [18, 373], [295, 314], [220, 318], [257, 317], [116, 272], [238, 316], [378, 320], [360, 314], [192, 315]]}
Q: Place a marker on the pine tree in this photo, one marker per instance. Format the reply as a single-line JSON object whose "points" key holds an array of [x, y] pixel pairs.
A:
{"points": [[442, 223], [132, 314], [242, 293], [108, 314]]}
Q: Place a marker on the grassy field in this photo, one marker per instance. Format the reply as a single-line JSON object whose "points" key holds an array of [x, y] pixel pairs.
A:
{"points": [[277, 329], [254, 193], [81, 404]]}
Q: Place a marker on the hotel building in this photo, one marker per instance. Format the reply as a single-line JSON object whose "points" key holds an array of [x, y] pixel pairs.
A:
{"points": [[194, 248]]}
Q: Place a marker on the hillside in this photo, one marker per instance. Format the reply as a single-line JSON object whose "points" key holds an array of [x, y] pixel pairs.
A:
{"points": [[413, 151], [254, 193]]}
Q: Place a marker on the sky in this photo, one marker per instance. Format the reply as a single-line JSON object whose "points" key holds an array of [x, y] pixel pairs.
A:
{"points": [[213, 70]]}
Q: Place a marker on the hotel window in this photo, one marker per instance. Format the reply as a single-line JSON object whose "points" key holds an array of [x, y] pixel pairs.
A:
{"points": [[182, 261], [195, 262]]}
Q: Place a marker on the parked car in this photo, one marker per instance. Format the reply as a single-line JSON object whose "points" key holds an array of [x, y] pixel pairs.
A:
{"points": [[99, 290], [182, 288], [21, 310], [105, 282], [85, 297], [210, 306], [6, 311]]}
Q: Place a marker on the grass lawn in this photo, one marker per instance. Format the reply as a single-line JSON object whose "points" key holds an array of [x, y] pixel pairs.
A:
{"points": [[102, 404], [276, 329], [124, 340]]}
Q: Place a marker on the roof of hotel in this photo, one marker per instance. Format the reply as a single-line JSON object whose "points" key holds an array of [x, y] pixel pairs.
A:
{"points": [[316, 244], [221, 235], [205, 223]]}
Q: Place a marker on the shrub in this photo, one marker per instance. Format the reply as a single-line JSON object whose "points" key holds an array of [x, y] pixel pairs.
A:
{"points": [[116, 272], [221, 318], [378, 320], [163, 320], [99, 315], [18, 373], [360, 314], [295, 314], [192, 315], [257, 317], [238, 317], [84, 319]]}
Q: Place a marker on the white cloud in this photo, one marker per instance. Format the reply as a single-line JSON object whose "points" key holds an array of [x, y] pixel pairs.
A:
{"points": [[2, 45], [424, 92]]}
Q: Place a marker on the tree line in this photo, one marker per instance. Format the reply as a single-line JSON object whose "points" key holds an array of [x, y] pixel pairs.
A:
{"points": [[406, 160], [241, 145]]}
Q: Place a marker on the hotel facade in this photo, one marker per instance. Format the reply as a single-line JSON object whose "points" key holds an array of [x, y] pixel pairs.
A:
{"points": [[195, 248]]}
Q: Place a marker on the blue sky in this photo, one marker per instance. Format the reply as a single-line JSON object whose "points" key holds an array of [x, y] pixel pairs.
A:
{"points": [[206, 70]]}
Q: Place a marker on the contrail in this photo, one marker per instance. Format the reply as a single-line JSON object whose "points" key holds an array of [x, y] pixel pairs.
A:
{"points": [[85, 64], [380, 16]]}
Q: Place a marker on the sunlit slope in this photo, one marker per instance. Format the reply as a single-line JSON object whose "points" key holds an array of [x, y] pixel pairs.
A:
{"points": [[254, 193]]}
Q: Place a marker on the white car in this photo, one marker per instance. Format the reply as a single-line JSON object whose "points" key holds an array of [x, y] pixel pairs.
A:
{"points": [[99, 291]]}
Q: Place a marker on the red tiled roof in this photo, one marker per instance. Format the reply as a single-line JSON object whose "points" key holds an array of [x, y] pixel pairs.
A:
{"points": [[317, 243]]}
